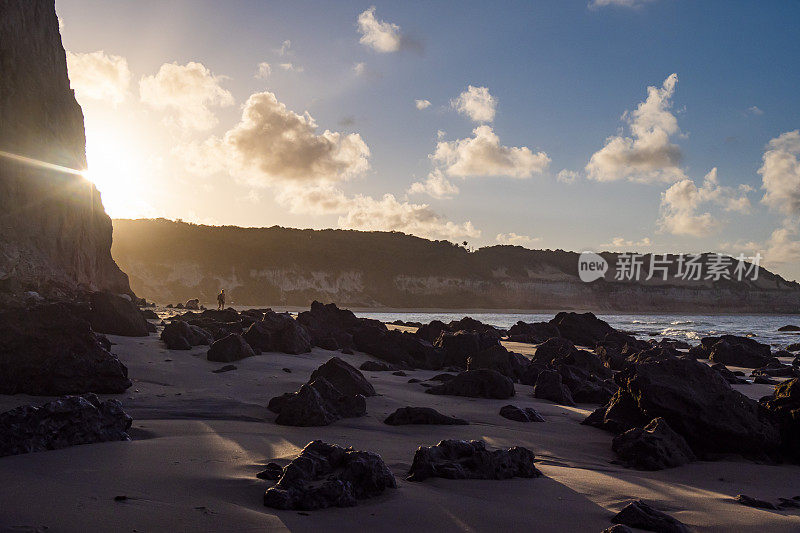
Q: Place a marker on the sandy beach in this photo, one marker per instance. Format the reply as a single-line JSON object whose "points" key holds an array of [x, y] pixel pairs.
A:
{"points": [[199, 438]]}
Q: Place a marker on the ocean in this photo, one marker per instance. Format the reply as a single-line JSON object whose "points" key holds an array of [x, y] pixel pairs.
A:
{"points": [[691, 328]]}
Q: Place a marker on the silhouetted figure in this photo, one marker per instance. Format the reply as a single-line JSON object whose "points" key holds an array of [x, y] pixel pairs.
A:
{"points": [[221, 299]]}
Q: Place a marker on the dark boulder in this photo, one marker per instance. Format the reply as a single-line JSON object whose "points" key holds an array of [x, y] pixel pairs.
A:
{"points": [[749, 501], [271, 472], [326, 321], [229, 349], [148, 314], [326, 475], [346, 378], [470, 324], [459, 459], [477, 384], [729, 376], [534, 332], [497, 358], [654, 447], [784, 404], [396, 347], [585, 329], [376, 366], [67, 421], [638, 514], [277, 332], [794, 347], [180, 335], [432, 331], [696, 402], [317, 403], [459, 346], [733, 351], [789, 328], [527, 414], [116, 315], [50, 350], [422, 415], [550, 387]]}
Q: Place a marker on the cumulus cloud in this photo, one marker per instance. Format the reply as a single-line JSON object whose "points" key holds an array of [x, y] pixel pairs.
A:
{"points": [[515, 239], [263, 71], [476, 103], [647, 155], [755, 110], [483, 155], [291, 67], [188, 91], [422, 104], [567, 176], [783, 246], [436, 185], [681, 203], [621, 242], [285, 47], [99, 76], [595, 4], [381, 36], [369, 214], [780, 174]]}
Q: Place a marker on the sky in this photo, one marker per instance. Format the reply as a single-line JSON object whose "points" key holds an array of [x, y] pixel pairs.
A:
{"points": [[610, 125]]}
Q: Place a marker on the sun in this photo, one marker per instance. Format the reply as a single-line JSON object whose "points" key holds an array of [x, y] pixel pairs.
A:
{"points": [[118, 173]]}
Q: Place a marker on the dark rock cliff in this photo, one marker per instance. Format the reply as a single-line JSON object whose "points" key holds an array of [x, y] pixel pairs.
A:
{"points": [[55, 237]]}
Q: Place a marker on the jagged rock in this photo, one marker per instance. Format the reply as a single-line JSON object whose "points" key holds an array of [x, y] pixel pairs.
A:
{"points": [[654, 447], [326, 475], [533, 333], [432, 331], [729, 376], [470, 324], [396, 347], [346, 378], [277, 332], [696, 402], [328, 321], [50, 349], [442, 377], [528, 414], [180, 335], [477, 384], [148, 314], [422, 415], [585, 329], [743, 499], [271, 472], [116, 315], [638, 514], [794, 347], [784, 404], [549, 387], [732, 350], [789, 328], [67, 421], [775, 369], [459, 346], [763, 380], [193, 304], [317, 403], [498, 358], [459, 459], [375, 366], [611, 357], [229, 349]]}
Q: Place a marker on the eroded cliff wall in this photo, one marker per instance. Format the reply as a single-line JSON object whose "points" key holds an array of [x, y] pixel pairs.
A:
{"points": [[55, 237]]}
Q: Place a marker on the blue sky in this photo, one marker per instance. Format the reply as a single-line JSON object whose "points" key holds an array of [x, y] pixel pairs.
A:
{"points": [[561, 74]]}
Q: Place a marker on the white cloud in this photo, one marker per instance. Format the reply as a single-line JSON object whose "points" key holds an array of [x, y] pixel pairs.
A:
{"points": [[291, 66], [595, 4], [274, 144], [264, 70], [99, 76], [567, 176], [285, 47], [780, 174], [783, 247], [379, 35], [516, 240], [359, 68], [436, 185], [681, 202], [370, 214], [422, 104], [618, 243], [755, 110], [476, 103], [647, 155], [483, 155], [440, 134], [187, 90]]}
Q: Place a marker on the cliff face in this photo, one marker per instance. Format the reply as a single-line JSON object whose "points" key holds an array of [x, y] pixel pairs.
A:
{"points": [[173, 262], [55, 237]]}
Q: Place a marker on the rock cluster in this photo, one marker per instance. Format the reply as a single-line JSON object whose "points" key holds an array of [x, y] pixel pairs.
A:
{"points": [[459, 459], [326, 475], [64, 422], [653, 447], [481, 383], [639, 515]]}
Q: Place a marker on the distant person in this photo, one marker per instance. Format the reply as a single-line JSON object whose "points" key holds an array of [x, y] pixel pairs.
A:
{"points": [[221, 299]]}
